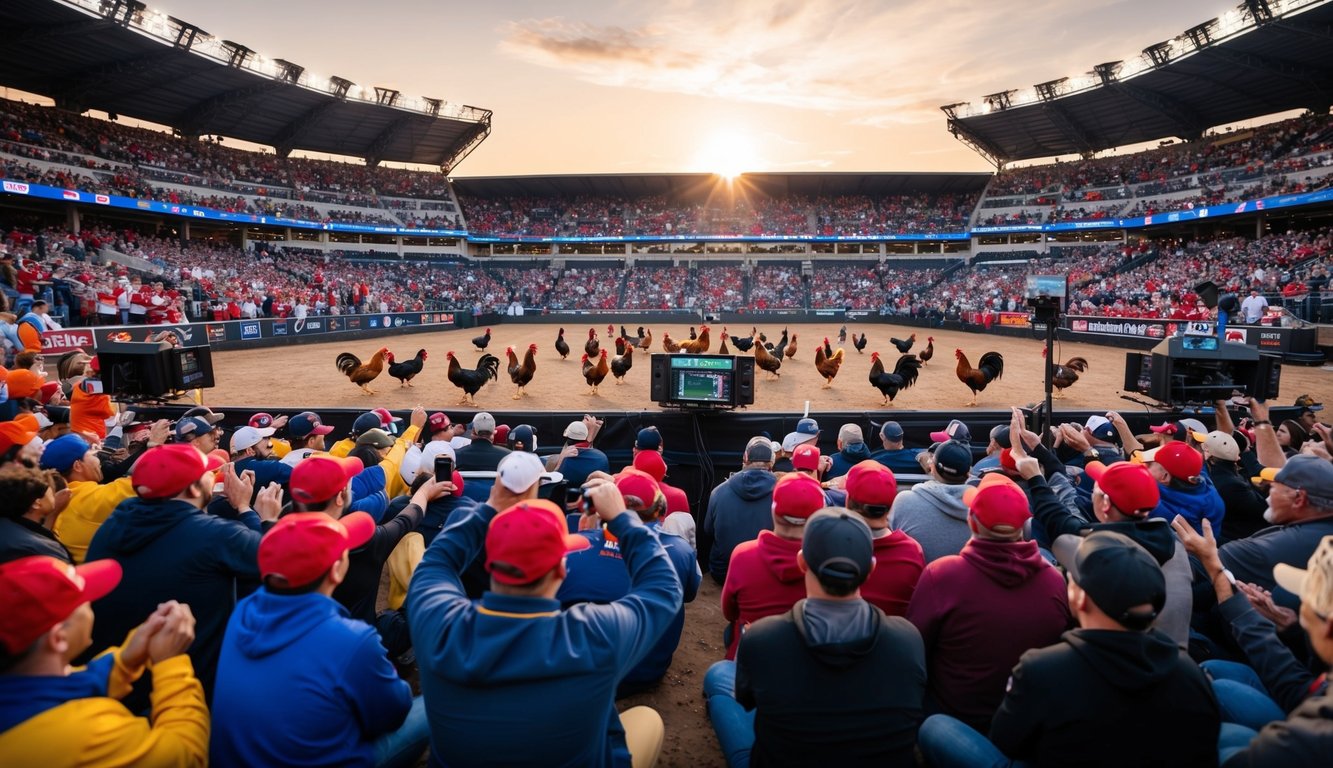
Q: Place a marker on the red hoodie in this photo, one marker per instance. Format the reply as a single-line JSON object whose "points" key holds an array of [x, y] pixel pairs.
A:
{"points": [[898, 564], [762, 580], [978, 612]]}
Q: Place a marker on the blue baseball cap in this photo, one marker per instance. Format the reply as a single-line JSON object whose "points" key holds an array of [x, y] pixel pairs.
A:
{"points": [[62, 452], [307, 423], [366, 422], [648, 439], [190, 427], [892, 430]]}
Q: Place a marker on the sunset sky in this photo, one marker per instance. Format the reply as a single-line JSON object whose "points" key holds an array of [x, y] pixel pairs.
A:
{"points": [[598, 86]]}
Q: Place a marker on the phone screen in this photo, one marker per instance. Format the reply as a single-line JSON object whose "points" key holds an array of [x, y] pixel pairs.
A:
{"points": [[444, 469]]}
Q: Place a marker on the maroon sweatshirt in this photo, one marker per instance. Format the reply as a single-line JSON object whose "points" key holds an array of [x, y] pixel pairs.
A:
{"points": [[762, 580], [898, 564], [978, 612]]}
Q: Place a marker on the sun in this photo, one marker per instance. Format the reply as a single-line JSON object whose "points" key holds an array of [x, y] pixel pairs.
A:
{"points": [[727, 154]]}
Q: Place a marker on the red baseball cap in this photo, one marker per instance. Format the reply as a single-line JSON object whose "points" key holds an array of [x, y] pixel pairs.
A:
{"points": [[165, 471], [633, 482], [806, 456], [437, 423], [501, 435], [528, 540], [796, 497], [1007, 461], [304, 545], [651, 462], [1130, 487], [317, 479], [998, 503], [48, 391], [871, 483], [387, 419], [39, 592], [1178, 459]]}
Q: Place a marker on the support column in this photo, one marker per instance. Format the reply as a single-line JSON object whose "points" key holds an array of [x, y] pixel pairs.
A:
{"points": [[72, 218]]}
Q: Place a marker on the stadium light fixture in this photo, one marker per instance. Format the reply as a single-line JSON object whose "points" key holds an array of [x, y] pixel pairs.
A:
{"points": [[237, 54], [1051, 89], [1202, 34], [339, 86], [998, 102], [289, 71], [1159, 54], [1106, 72], [432, 105], [1259, 10], [385, 97]]}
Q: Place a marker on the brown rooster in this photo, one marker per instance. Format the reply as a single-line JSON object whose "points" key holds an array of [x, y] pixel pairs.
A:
{"points": [[595, 374], [890, 384], [827, 366], [521, 373], [767, 360], [699, 345], [928, 352], [1065, 375], [646, 343], [989, 368], [592, 345], [621, 364], [791, 348], [668, 344], [361, 375]]}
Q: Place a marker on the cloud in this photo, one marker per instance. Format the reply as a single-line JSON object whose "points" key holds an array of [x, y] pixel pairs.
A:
{"points": [[888, 62]]}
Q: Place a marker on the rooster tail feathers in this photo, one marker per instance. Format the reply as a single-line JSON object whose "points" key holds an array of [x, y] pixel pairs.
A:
{"points": [[490, 364], [1078, 364], [993, 363], [347, 362], [908, 367]]}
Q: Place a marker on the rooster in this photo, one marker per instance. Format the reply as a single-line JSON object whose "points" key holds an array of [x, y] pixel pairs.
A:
{"points": [[610, 330], [669, 345], [1065, 375], [472, 380], [699, 345], [860, 343], [693, 335], [620, 346], [767, 360], [562, 346], [827, 365], [989, 368], [621, 364], [890, 384], [628, 338], [780, 349], [828, 348], [722, 349], [521, 373], [646, 343], [791, 348], [904, 345], [407, 369], [928, 352], [742, 343], [842, 336], [592, 346], [482, 341], [595, 374], [350, 366]]}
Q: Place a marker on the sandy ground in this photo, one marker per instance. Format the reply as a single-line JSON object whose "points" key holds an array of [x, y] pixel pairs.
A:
{"points": [[305, 376]]}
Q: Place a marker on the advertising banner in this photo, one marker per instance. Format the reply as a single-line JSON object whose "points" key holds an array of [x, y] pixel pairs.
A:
{"points": [[60, 342]]}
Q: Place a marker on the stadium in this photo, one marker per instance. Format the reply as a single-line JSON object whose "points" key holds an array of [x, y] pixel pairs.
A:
{"points": [[166, 210]]}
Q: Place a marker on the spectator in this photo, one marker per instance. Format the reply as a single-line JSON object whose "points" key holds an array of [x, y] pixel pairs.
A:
{"points": [[306, 432], [482, 454], [741, 506], [898, 558], [851, 450], [898, 459], [90, 501], [298, 679], [579, 459], [1062, 707], [476, 710], [933, 512], [1178, 470], [54, 713], [679, 520], [980, 610], [29, 509], [1243, 503], [833, 675]]}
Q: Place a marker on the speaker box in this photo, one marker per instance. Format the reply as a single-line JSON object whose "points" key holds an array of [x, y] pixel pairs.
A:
{"points": [[659, 382], [744, 393]]}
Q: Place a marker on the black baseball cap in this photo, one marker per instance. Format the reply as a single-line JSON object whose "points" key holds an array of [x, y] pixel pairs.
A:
{"points": [[1120, 577]]}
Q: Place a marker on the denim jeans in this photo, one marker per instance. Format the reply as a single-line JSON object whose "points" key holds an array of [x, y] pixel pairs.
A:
{"points": [[1232, 739], [947, 742], [1241, 695], [733, 724], [404, 747]]}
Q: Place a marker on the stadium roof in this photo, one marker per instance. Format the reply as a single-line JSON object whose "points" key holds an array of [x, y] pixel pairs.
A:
{"points": [[1262, 58], [122, 58], [701, 185]]}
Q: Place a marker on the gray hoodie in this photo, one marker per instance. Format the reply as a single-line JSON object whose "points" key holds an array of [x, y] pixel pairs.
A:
{"points": [[934, 514]]}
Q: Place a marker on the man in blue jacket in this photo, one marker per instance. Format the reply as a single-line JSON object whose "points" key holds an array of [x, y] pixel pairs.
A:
{"points": [[170, 549], [513, 679], [1186, 491], [300, 682], [741, 506]]}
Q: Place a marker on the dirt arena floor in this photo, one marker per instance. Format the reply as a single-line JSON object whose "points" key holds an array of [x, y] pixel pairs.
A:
{"points": [[304, 376]]}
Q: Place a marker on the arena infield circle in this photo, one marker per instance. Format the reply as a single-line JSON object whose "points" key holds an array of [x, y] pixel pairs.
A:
{"points": [[304, 376]]}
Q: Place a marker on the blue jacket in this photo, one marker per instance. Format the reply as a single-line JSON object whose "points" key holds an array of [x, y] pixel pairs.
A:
{"points": [[598, 575], [369, 494], [577, 468], [170, 550], [738, 510], [899, 461], [845, 459], [1196, 504], [488, 667], [302, 683]]}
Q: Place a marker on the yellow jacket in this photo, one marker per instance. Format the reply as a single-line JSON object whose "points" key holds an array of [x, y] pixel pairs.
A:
{"points": [[393, 479], [342, 447], [90, 504], [79, 720]]}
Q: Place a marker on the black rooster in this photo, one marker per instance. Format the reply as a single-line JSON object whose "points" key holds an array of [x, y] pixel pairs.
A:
{"points": [[407, 369], [621, 363], [743, 343], [482, 341], [904, 345], [860, 343], [890, 384], [562, 346], [472, 380]]}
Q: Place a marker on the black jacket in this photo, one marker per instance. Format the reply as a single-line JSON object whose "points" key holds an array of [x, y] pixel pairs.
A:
{"points": [[365, 565], [482, 455], [1108, 698], [21, 537], [1245, 504]]}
